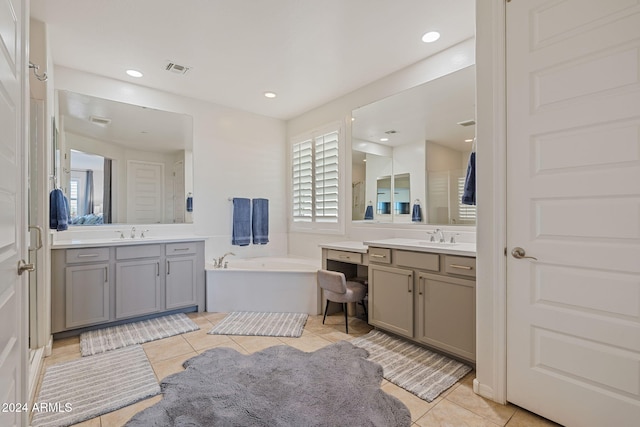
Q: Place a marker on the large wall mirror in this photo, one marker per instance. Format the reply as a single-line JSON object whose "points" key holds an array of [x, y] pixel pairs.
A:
{"points": [[123, 163], [412, 149]]}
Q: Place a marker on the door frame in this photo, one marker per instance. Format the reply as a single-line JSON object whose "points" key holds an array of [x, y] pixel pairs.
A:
{"points": [[491, 291]]}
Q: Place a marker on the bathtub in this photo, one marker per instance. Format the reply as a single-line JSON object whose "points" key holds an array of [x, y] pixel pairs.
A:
{"points": [[264, 284]]}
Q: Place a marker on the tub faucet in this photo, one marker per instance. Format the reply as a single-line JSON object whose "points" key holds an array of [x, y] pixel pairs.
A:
{"points": [[133, 232], [219, 262]]}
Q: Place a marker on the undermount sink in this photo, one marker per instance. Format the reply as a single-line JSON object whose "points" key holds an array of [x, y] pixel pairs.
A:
{"points": [[437, 244]]}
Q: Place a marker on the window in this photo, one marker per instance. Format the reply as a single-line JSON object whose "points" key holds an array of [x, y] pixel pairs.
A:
{"points": [[315, 180], [73, 197]]}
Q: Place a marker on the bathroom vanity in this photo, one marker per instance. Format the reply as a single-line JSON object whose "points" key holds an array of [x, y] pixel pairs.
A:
{"points": [[101, 282], [425, 292]]}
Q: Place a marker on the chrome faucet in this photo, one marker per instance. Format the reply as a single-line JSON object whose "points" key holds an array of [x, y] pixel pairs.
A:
{"points": [[437, 235], [133, 232], [219, 262], [142, 236]]}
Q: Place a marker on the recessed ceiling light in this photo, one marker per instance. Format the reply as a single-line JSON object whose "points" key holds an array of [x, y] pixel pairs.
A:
{"points": [[270, 94], [384, 139], [431, 36], [134, 73]]}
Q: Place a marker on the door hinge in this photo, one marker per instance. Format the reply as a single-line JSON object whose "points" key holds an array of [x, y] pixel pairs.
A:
{"points": [[505, 251]]}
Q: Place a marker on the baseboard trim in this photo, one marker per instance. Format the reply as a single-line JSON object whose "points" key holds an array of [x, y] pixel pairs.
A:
{"points": [[483, 390]]}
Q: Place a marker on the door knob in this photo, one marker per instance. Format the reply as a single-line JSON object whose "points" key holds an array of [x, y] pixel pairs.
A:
{"points": [[519, 253], [23, 266]]}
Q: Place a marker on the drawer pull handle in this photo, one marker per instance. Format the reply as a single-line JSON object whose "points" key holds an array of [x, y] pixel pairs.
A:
{"points": [[180, 249], [377, 256], [343, 256], [88, 255], [461, 267]]}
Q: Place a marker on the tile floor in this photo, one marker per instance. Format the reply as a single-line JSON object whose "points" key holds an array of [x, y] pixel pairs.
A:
{"points": [[457, 407]]}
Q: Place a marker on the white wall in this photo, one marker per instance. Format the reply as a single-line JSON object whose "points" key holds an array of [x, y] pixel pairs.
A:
{"points": [[235, 154], [445, 62]]}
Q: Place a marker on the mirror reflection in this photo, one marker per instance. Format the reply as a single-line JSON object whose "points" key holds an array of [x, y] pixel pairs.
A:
{"points": [[411, 151], [124, 163]]}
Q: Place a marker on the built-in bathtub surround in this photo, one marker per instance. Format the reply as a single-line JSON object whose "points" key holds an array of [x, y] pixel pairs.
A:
{"points": [[264, 284]]}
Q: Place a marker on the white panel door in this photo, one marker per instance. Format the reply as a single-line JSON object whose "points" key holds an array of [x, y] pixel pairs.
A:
{"points": [[573, 202], [145, 192], [13, 149]]}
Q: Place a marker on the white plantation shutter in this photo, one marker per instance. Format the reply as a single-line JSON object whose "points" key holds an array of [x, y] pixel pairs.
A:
{"points": [[326, 178], [467, 213], [302, 181], [316, 180]]}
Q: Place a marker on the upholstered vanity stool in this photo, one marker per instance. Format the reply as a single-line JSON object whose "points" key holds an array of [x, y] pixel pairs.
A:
{"points": [[338, 289]]}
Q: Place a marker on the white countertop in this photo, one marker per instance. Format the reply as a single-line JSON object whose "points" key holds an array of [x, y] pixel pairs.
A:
{"points": [[93, 243], [346, 246], [463, 249]]}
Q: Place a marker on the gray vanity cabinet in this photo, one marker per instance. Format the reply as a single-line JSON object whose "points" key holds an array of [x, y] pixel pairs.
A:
{"points": [[426, 297], [87, 294], [394, 287], [137, 280], [180, 274], [101, 285]]}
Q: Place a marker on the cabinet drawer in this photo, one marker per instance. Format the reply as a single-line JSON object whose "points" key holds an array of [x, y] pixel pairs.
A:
{"points": [[181, 248], [421, 260], [380, 255], [87, 255], [137, 251], [350, 257], [462, 266]]}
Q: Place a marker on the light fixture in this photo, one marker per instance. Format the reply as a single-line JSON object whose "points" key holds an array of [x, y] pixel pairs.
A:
{"points": [[134, 73], [384, 139], [431, 36], [270, 94], [468, 140]]}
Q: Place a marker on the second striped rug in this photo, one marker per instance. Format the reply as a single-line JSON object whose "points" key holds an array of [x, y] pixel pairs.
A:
{"points": [[261, 324], [417, 370]]}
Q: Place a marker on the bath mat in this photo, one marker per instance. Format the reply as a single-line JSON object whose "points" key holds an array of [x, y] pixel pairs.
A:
{"points": [[261, 324], [111, 338], [91, 386], [280, 386], [419, 371]]}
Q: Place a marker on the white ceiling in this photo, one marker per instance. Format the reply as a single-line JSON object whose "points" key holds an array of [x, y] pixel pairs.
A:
{"points": [[307, 51]]}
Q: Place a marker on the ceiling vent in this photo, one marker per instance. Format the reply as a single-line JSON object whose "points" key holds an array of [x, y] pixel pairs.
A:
{"points": [[176, 68], [467, 123], [391, 132], [102, 121]]}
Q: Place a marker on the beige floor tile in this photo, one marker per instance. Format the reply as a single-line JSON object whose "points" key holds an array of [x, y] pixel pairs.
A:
{"points": [[66, 345], [231, 344], [121, 416], [201, 320], [252, 344], [417, 406], [167, 348], [464, 396], [309, 343], [54, 359], [201, 340], [524, 418], [167, 367], [448, 414], [215, 317]]}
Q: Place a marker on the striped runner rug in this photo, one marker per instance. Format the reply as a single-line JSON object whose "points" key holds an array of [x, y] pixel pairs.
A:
{"points": [[91, 386], [261, 324], [114, 337], [419, 371]]}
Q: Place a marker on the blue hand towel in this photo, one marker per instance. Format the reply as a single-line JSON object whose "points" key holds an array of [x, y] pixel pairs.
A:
{"points": [[58, 210], [241, 222], [368, 213], [416, 214], [469, 194], [260, 221]]}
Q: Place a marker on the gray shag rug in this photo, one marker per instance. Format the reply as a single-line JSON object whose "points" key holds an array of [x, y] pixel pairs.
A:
{"points": [[279, 386]]}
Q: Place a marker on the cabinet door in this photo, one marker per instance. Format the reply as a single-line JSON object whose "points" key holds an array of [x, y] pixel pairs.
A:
{"points": [[391, 299], [181, 282], [447, 314], [86, 295], [137, 288]]}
